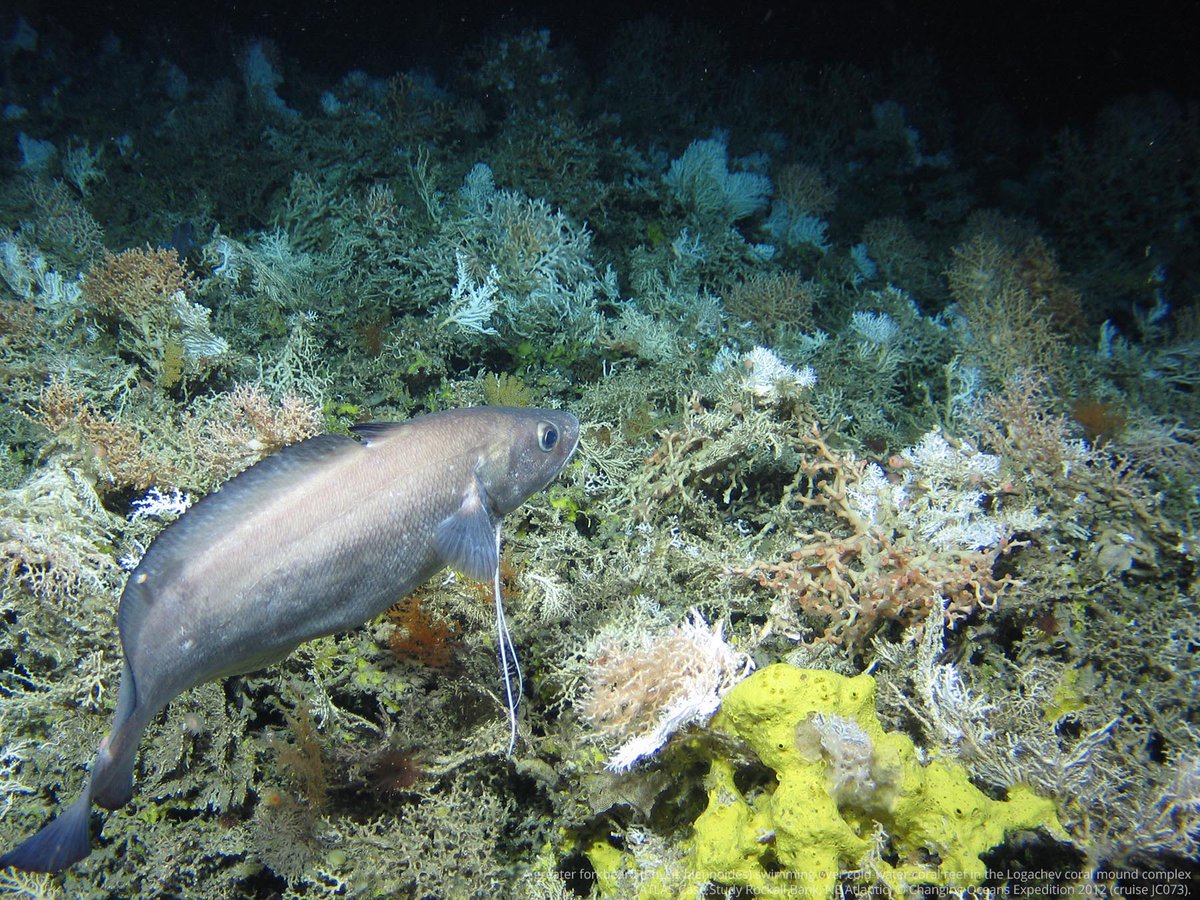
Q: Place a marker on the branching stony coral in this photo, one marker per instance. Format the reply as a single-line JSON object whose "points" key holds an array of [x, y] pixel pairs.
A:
{"points": [[63, 227], [775, 302], [81, 165], [955, 718], [52, 532], [158, 445], [449, 839], [940, 495], [877, 369], [472, 304], [30, 885], [29, 276], [57, 573], [298, 367], [634, 333], [315, 215], [146, 293], [874, 567], [1116, 804], [1018, 422], [135, 283], [242, 426], [1097, 493], [700, 179], [525, 236], [11, 757], [714, 455], [279, 272], [111, 447], [770, 378], [1172, 820], [1010, 322], [544, 283]]}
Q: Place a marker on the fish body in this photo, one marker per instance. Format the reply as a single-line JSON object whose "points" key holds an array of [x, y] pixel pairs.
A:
{"points": [[316, 539]]}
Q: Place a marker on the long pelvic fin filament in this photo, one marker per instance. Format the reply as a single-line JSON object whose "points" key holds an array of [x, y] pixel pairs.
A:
{"points": [[509, 665]]}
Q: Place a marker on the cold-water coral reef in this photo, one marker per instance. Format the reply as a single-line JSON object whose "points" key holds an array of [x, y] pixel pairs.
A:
{"points": [[869, 383]]}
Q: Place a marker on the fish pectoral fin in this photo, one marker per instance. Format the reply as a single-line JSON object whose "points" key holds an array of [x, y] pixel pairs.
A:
{"points": [[466, 539]]}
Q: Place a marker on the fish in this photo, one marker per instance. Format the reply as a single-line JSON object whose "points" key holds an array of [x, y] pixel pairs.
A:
{"points": [[319, 538]]}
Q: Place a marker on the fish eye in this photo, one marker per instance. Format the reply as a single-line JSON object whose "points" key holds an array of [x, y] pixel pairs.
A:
{"points": [[547, 436]]}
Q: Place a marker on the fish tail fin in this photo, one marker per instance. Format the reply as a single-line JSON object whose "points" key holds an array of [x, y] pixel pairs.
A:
{"points": [[67, 838], [60, 844]]}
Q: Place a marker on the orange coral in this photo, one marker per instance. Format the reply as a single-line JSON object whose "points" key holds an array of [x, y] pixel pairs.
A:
{"points": [[1038, 271], [274, 425], [246, 425], [395, 771], [508, 584], [301, 757], [1018, 422], [805, 189], [776, 302], [226, 435], [135, 282], [419, 637], [116, 446], [902, 257], [860, 582], [1100, 420], [874, 574], [1004, 297], [18, 321]]}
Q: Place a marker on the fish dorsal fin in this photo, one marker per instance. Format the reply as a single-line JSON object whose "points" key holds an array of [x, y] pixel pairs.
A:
{"points": [[375, 432], [466, 539], [226, 507]]}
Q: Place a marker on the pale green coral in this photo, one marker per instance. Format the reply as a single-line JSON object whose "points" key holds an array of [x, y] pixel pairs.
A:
{"points": [[814, 728]]}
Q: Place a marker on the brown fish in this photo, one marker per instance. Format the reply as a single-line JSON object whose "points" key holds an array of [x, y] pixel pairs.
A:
{"points": [[318, 538]]}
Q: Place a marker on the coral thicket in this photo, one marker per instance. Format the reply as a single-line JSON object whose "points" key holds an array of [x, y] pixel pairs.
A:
{"points": [[875, 570]]}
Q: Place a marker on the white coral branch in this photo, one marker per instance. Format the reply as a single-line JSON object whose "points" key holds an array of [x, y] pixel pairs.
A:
{"points": [[472, 304]]}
